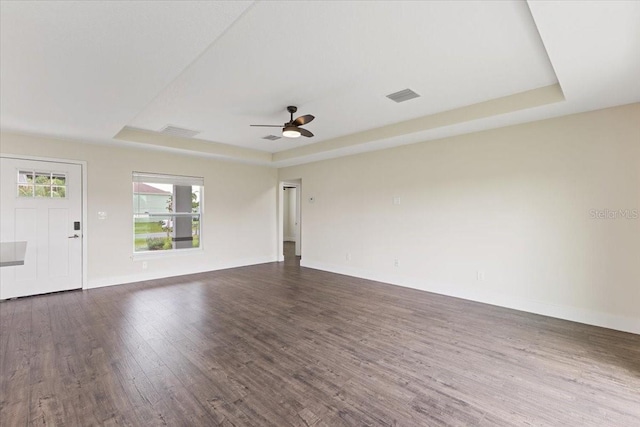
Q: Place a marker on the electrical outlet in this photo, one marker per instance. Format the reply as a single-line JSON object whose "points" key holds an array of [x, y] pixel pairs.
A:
{"points": [[144, 265], [481, 275], [396, 263], [348, 256]]}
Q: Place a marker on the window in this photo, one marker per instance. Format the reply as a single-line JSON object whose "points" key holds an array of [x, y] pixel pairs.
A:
{"points": [[166, 212], [42, 184]]}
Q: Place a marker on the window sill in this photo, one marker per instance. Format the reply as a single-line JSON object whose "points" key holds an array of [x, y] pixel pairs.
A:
{"points": [[166, 254]]}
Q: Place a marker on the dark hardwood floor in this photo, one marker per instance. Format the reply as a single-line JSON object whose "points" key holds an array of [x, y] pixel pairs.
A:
{"points": [[280, 345]]}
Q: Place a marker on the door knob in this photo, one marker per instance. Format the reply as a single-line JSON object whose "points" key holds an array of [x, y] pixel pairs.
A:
{"points": [[75, 236]]}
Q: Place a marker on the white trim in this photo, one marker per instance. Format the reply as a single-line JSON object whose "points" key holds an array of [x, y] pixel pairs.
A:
{"points": [[280, 218], [150, 275], [574, 314], [144, 255], [163, 178], [280, 223], [85, 213], [298, 237]]}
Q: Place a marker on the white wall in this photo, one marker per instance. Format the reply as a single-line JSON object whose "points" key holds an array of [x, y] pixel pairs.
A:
{"points": [[289, 211], [514, 203], [239, 224]]}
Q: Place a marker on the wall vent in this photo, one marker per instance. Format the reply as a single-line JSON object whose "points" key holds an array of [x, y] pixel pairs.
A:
{"points": [[178, 131], [271, 137], [403, 95]]}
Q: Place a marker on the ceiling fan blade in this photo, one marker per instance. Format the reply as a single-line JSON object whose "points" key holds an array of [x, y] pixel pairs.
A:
{"points": [[302, 120], [305, 132], [267, 126]]}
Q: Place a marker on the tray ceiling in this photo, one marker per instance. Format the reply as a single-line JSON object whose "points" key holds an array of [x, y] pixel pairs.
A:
{"points": [[123, 71]]}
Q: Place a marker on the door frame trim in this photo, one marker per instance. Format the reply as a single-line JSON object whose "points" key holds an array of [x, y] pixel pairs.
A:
{"points": [[280, 210], [85, 228]]}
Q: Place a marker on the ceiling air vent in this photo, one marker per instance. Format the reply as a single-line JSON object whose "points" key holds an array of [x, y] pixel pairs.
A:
{"points": [[176, 131], [271, 137], [403, 95]]}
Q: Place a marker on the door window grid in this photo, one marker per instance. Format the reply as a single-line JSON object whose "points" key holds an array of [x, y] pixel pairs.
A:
{"points": [[41, 184]]}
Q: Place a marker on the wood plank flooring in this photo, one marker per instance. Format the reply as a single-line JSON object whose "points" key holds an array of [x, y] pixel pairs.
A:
{"points": [[280, 345]]}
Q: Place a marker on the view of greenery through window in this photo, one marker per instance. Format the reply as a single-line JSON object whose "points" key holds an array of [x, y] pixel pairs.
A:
{"points": [[42, 184], [159, 225]]}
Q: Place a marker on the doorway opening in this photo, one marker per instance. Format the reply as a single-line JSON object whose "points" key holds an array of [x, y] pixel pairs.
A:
{"points": [[290, 236]]}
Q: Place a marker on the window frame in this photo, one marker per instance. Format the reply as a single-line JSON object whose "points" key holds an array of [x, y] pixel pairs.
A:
{"points": [[194, 182]]}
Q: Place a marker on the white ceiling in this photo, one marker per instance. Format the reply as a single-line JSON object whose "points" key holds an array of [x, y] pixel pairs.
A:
{"points": [[86, 70]]}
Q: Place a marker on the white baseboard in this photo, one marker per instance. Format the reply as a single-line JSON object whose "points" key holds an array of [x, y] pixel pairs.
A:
{"points": [[149, 275], [574, 314]]}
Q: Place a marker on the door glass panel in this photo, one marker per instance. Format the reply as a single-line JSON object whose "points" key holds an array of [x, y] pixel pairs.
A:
{"points": [[43, 191], [42, 184], [25, 190], [58, 191], [25, 177], [59, 180], [43, 178]]}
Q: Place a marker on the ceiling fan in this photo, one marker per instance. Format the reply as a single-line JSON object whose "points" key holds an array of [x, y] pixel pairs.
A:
{"points": [[292, 128]]}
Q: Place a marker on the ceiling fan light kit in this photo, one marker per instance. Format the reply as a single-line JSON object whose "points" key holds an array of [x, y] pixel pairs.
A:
{"points": [[290, 132], [292, 128]]}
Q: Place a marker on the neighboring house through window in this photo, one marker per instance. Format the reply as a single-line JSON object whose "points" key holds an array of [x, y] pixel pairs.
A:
{"points": [[167, 212]]}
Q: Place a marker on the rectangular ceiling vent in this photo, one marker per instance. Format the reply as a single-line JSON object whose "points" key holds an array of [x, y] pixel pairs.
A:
{"points": [[177, 131], [403, 95], [271, 137]]}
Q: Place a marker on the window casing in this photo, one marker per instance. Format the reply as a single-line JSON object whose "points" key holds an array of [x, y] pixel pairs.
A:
{"points": [[167, 212]]}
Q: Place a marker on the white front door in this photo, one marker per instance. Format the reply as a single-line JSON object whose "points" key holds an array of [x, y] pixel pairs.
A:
{"points": [[41, 203]]}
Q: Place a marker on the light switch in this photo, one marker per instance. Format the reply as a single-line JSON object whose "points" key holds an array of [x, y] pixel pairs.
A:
{"points": [[396, 200]]}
